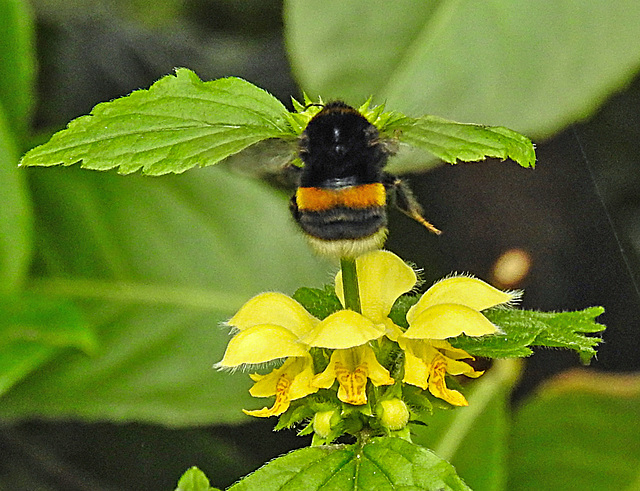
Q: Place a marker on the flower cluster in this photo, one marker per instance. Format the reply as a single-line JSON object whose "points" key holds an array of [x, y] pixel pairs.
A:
{"points": [[274, 326]]}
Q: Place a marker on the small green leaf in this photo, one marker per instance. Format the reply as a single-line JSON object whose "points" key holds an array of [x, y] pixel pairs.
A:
{"points": [[319, 302], [33, 330], [381, 463], [194, 480], [453, 142], [178, 123], [524, 328]]}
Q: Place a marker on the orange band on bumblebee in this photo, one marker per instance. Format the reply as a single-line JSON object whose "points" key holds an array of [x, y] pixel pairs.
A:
{"points": [[362, 196]]}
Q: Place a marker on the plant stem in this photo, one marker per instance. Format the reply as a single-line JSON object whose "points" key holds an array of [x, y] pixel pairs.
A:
{"points": [[350, 284]]}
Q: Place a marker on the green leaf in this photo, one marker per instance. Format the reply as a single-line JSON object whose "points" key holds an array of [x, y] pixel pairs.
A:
{"points": [[381, 463], [18, 64], [194, 480], [33, 330], [15, 214], [178, 123], [157, 264], [453, 142], [523, 65], [319, 302], [524, 328], [579, 431]]}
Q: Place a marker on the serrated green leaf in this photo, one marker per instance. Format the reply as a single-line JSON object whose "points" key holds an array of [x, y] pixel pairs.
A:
{"points": [[33, 330], [319, 302], [194, 480], [453, 142], [381, 464], [565, 331], [524, 328], [178, 123]]}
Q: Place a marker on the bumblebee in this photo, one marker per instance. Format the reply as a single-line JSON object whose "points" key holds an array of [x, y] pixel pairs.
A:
{"points": [[342, 194]]}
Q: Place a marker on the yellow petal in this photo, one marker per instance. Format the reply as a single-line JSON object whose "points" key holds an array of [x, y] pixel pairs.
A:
{"points": [[449, 351], [416, 367], [341, 330], [462, 290], [378, 374], [438, 386], [449, 320], [352, 368], [289, 382], [382, 278], [294, 375], [353, 385], [277, 309], [259, 344]]}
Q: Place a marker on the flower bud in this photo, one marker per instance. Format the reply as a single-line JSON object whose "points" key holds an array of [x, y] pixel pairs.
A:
{"points": [[322, 423], [393, 414]]}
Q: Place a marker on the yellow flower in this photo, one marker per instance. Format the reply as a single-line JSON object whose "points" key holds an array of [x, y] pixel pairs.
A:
{"points": [[289, 382], [352, 368], [270, 326], [449, 308], [273, 326], [382, 278]]}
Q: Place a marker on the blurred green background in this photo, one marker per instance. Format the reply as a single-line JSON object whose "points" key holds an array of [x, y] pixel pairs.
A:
{"points": [[113, 288]]}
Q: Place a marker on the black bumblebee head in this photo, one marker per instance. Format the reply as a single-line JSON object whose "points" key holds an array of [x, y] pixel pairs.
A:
{"points": [[340, 143]]}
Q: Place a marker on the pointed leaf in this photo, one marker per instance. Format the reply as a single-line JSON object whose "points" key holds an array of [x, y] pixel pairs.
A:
{"points": [[194, 480], [453, 142], [381, 463], [524, 328], [178, 123]]}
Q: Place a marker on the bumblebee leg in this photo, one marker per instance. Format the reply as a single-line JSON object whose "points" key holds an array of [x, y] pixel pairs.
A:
{"points": [[406, 202]]}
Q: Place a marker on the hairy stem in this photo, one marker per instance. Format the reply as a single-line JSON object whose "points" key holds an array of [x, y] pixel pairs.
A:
{"points": [[350, 284]]}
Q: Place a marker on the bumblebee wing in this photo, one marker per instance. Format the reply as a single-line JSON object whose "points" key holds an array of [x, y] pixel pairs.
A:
{"points": [[270, 160], [406, 158]]}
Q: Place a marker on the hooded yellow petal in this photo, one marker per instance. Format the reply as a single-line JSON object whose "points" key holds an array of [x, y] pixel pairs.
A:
{"points": [[382, 278], [343, 329], [471, 292], [277, 309], [259, 344], [449, 320]]}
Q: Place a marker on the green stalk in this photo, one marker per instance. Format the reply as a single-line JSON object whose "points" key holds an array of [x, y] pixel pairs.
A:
{"points": [[350, 284]]}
